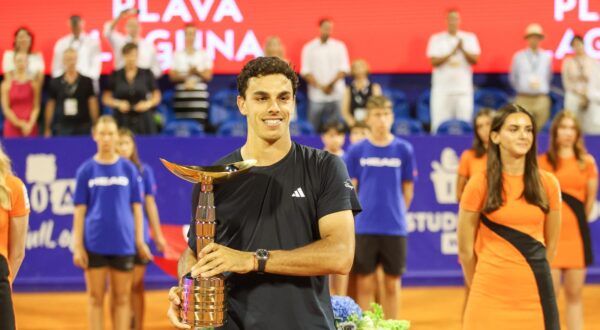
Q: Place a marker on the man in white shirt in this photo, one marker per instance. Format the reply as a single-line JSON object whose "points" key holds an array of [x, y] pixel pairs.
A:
{"points": [[452, 53], [531, 75], [147, 56], [191, 71], [88, 51], [325, 63]]}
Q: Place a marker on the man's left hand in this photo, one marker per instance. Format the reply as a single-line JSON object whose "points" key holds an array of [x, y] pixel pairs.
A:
{"points": [[216, 259]]}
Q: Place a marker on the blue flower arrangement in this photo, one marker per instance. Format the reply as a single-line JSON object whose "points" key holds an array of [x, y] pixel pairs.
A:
{"points": [[344, 307], [349, 316]]}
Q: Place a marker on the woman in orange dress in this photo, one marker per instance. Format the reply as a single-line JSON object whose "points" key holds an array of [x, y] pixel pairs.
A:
{"points": [[474, 160], [514, 211], [577, 174], [14, 217]]}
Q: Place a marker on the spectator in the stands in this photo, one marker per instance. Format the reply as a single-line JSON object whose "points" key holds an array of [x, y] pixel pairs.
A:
{"points": [[324, 66], [23, 44], [274, 47], [191, 71], [575, 75], [72, 105], [20, 100], [147, 59], [452, 53], [87, 48], [354, 104], [133, 94], [531, 74], [590, 122]]}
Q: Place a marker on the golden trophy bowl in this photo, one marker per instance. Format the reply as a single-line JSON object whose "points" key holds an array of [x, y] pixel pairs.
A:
{"points": [[203, 298]]}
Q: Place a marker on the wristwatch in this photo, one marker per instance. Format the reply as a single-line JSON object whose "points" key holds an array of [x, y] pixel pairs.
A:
{"points": [[261, 256]]}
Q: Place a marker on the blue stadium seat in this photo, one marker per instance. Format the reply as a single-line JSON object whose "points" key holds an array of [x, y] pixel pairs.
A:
{"points": [[493, 98], [546, 128], [223, 107], [423, 112], [106, 110], [454, 127], [398, 97], [407, 126], [183, 128], [165, 113], [167, 96], [234, 127], [301, 106], [558, 104], [301, 127]]}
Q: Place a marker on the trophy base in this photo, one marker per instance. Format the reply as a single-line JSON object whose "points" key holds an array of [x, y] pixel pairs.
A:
{"points": [[203, 301]]}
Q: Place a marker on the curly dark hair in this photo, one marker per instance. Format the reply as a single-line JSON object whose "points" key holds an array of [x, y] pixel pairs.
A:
{"points": [[264, 66]]}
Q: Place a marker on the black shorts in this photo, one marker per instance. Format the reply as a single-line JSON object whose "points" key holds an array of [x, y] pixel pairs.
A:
{"points": [[372, 250], [139, 261], [122, 263]]}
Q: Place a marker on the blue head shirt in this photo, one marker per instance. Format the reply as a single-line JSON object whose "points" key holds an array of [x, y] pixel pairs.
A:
{"points": [[380, 172], [108, 191]]}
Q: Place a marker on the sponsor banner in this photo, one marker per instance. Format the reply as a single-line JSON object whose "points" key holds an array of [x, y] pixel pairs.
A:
{"points": [[48, 167], [391, 35]]}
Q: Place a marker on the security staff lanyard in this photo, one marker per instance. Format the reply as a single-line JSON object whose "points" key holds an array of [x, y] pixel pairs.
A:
{"points": [[70, 106]]}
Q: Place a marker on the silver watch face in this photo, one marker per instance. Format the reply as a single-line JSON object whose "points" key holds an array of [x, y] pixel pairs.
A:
{"points": [[262, 254]]}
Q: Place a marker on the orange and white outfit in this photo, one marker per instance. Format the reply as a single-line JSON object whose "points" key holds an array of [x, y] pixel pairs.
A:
{"points": [[574, 249], [19, 208], [512, 283]]}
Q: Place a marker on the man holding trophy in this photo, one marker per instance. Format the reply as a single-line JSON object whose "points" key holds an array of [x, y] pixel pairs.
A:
{"points": [[280, 228]]}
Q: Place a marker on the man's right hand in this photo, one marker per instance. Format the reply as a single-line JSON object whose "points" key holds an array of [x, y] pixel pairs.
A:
{"points": [[173, 312]]}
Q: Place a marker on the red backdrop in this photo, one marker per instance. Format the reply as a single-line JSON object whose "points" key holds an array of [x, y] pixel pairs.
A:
{"points": [[391, 34]]}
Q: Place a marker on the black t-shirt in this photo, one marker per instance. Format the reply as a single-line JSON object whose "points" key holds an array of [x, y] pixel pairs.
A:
{"points": [[278, 207], [81, 90], [138, 90], [142, 85]]}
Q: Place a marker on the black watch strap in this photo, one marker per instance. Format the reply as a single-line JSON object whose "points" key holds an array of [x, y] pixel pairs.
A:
{"points": [[262, 256]]}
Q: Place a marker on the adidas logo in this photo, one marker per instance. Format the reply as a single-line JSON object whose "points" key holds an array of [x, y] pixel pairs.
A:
{"points": [[298, 193]]}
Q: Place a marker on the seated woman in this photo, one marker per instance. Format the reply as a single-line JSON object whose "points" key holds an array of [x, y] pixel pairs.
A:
{"points": [[360, 89], [133, 94]]}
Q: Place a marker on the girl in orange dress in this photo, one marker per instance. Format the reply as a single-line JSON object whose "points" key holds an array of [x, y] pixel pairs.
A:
{"points": [[474, 160], [577, 174], [14, 217], [514, 211]]}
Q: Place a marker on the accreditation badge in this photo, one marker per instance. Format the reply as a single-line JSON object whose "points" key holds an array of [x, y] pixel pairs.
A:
{"points": [[360, 114], [70, 107]]}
